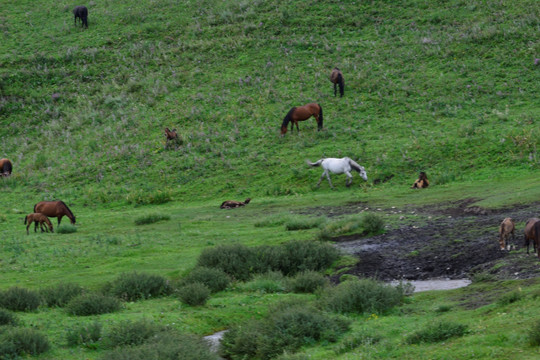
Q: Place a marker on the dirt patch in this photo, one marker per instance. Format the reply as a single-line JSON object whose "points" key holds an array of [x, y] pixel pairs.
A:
{"points": [[451, 241]]}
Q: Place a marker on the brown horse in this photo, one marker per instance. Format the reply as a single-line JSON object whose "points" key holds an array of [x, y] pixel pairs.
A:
{"points": [[55, 209], [5, 167], [336, 77], [532, 232], [507, 227], [230, 204], [422, 181], [302, 113], [37, 218]]}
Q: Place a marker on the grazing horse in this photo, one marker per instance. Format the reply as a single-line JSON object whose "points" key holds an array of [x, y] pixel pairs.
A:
{"points": [[55, 209], [422, 181], [302, 113], [532, 232], [229, 204], [37, 218], [336, 77], [81, 12], [5, 167], [339, 166], [507, 227]]}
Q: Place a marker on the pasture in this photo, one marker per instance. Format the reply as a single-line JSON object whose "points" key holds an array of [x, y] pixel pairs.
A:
{"points": [[449, 88]]}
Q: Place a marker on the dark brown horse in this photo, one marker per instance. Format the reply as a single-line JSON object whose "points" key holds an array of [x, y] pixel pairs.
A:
{"points": [[422, 181], [336, 77], [229, 204], [55, 209], [81, 12], [5, 167], [302, 113], [532, 232], [37, 218]]}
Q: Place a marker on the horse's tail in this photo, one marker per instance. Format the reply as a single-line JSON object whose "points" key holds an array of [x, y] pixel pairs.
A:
{"points": [[7, 167], [341, 84], [320, 124], [70, 215], [286, 120], [317, 163]]}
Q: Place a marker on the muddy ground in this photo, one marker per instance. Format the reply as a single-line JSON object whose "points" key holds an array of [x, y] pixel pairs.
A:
{"points": [[452, 240]]}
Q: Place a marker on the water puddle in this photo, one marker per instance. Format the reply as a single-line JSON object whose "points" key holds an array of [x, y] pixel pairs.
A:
{"points": [[437, 284], [214, 340]]}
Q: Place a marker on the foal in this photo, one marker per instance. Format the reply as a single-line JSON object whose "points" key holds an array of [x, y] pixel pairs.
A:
{"points": [[37, 218], [507, 227]]}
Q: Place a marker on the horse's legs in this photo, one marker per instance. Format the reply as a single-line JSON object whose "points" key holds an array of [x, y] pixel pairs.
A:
{"points": [[27, 226], [320, 179], [59, 219], [349, 178], [35, 226], [335, 89], [328, 177]]}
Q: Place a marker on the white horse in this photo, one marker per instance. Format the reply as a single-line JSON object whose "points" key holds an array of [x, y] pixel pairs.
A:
{"points": [[339, 166]]}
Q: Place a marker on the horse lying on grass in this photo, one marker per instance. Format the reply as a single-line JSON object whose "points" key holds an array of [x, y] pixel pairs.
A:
{"points": [[38, 218], [422, 181], [339, 166], [507, 227], [230, 204]]}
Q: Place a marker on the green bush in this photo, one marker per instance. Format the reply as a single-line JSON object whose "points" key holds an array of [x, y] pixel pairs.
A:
{"points": [[60, 295], [307, 282], [300, 255], [19, 299], [92, 304], [8, 318], [148, 197], [436, 333], [362, 296], [302, 223], [510, 298], [66, 229], [268, 283], [372, 223], [18, 341], [354, 341], [131, 333], [534, 334], [134, 286], [235, 260], [87, 335], [215, 279], [273, 220], [150, 219], [194, 294]]}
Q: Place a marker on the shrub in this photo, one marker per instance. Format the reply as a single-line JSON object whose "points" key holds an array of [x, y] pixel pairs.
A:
{"points": [[352, 342], [18, 341], [215, 279], [147, 197], [437, 332], [443, 308], [66, 229], [273, 220], [534, 334], [132, 333], [302, 223], [19, 299], [510, 298], [270, 282], [372, 223], [307, 282], [236, 260], [362, 296], [92, 304], [8, 318], [480, 277], [134, 286], [60, 295], [150, 219], [87, 335], [298, 255], [194, 294]]}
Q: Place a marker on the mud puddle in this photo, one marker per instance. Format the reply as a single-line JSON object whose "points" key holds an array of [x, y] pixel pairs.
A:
{"points": [[436, 284]]}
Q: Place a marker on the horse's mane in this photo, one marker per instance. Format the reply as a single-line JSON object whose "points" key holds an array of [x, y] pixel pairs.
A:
{"points": [[355, 166], [288, 117], [63, 203]]}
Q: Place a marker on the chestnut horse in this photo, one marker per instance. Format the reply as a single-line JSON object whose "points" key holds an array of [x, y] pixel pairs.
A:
{"points": [[532, 232], [507, 227], [302, 113], [229, 204], [336, 77], [37, 218], [5, 167], [55, 209]]}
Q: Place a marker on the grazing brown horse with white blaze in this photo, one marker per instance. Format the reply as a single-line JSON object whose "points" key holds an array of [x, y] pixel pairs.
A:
{"points": [[57, 209], [506, 229], [339, 166], [302, 113], [5, 167], [532, 233], [336, 77], [37, 218]]}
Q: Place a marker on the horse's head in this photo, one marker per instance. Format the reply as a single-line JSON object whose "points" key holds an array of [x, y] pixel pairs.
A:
{"points": [[283, 130], [247, 201], [363, 173]]}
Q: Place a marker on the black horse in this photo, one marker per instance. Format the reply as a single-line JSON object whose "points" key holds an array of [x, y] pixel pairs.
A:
{"points": [[81, 12]]}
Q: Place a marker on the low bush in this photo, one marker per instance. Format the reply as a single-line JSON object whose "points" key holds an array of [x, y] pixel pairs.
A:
{"points": [[436, 333], [148, 197], [215, 279], [194, 294], [268, 283], [8, 318], [273, 220], [131, 333], [341, 226], [87, 335], [510, 298], [19, 299], [66, 229], [533, 334], [134, 286], [302, 223], [299, 255], [354, 341], [307, 282], [236, 260], [372, 223], [18, 341], [92, 304], [60, 294], [150, 219], [362, 296]]}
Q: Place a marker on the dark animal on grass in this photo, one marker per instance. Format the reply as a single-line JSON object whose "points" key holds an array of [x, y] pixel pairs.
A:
{"points": [[81, 12], [506, 229], [532, 233], [38, 218], [422, 181], [339, 166], [336, 77], [302, 113], [230, 204], [172, 137], [5, 167], [57, 209]]}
